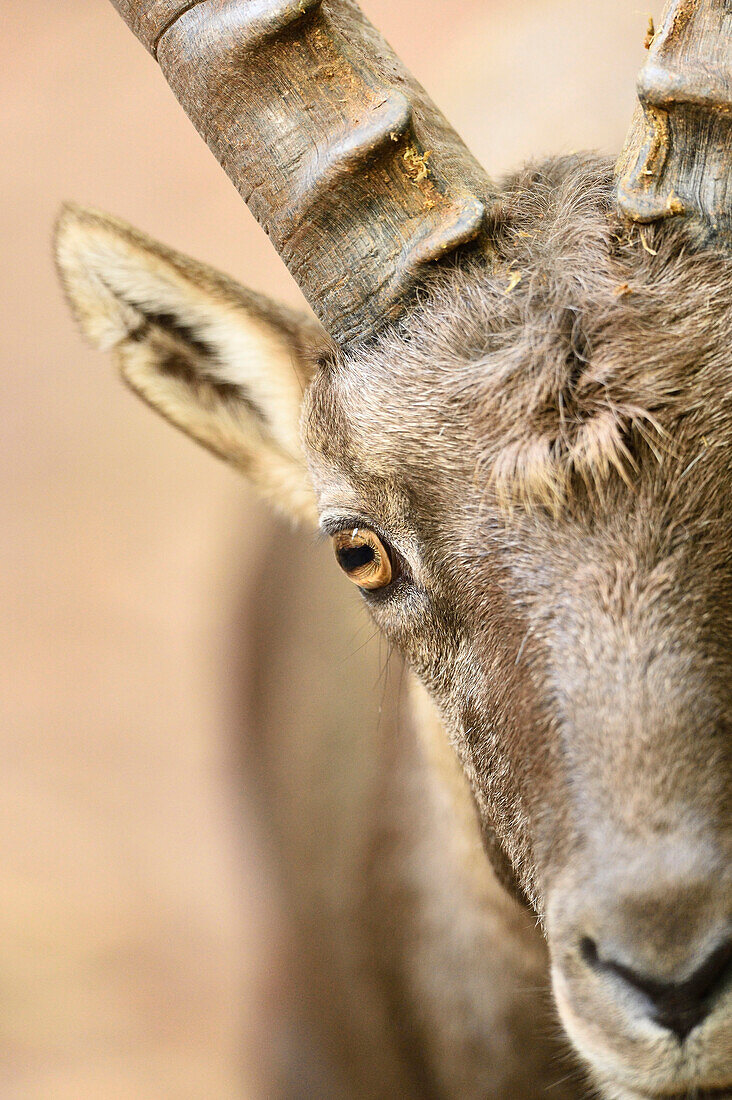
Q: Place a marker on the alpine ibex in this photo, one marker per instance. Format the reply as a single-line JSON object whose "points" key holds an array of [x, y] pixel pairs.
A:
{"points": [[514, 421]]}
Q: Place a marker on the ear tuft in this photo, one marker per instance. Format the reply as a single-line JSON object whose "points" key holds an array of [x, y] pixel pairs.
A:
{"points": [[87, 253]]}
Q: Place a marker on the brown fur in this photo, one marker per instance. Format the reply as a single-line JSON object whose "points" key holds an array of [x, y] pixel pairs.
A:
{"points": [[544, 440], [578, 643], [415, 974]]}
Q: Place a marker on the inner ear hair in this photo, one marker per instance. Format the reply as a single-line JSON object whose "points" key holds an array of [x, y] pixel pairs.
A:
{"points": [[171, 324], [183, 356]]}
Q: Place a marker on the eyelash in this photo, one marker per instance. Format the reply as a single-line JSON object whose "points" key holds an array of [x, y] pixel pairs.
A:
{"points": [[333, 525]]}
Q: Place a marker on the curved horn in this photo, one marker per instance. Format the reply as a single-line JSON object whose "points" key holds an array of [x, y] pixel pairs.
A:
{"points": [[678, 155], [340, 154]]}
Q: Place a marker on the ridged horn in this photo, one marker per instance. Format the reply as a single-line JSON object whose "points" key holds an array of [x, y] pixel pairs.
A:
{"points": [[343, 159], [677, 161]]}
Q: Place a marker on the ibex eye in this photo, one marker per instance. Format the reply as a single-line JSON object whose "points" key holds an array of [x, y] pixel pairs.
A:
{"points": [[363, 558]]}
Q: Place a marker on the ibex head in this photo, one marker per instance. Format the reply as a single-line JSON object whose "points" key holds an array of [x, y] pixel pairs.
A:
{"points": [[515, 421]]}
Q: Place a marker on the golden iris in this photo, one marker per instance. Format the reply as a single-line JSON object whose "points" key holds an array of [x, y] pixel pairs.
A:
{"points": [[363, 558]]}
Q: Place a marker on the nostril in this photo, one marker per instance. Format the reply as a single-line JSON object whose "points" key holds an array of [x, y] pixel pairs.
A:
{"points": [[677, 1006], [588, 951]]}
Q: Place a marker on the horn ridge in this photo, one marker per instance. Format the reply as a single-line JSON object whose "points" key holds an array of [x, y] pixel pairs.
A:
{"points": [[678, 157], [448, 221], [149, 19], [386, 124], [352, 171], [433, 236]]}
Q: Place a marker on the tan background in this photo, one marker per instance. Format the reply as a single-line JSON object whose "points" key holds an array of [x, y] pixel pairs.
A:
{"points": [[137, 934]]}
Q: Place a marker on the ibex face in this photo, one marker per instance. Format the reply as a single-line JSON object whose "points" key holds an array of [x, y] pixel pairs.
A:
{"points": [[519, 432], [549, 473]]}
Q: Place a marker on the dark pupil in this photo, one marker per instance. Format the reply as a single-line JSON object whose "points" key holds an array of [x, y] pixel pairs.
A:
{"points": [[351, 558]]}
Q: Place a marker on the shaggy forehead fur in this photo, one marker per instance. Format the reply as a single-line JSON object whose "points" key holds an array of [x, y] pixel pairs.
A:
{"points": [[578, 348]]}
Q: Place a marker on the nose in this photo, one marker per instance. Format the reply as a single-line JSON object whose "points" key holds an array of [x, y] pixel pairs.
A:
{"points": [[643, 930], [678, 1006]]}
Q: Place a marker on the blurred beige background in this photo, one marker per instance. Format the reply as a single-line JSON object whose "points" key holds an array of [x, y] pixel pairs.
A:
{"points": [[138, 936]]}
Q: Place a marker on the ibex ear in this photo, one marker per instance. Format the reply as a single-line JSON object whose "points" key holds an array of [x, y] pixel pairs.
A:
{"points": [[225, 365]]}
